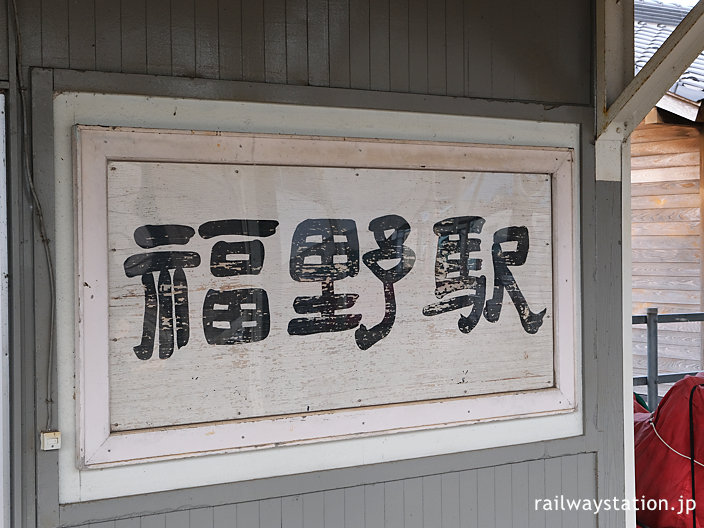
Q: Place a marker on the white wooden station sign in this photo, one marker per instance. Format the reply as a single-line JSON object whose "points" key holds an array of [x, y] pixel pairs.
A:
{"points": [[242, 291]]}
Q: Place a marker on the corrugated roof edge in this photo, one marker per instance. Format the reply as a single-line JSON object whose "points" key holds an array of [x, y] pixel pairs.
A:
{"points": [[659, 13]]}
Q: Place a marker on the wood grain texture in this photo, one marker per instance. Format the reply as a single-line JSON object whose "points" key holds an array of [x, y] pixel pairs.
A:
{"points": [[664, 188], [665, 174], [654, 269], [659, 132], [667, 283], [647, 216], [683, 159], [666, 201], [665, 242], [667, 365], [666, 255], [666, 228], [685, 353], [665, 146]]}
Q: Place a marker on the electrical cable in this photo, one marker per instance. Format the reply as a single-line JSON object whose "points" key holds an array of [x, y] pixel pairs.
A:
{"points": [[29, 181]]}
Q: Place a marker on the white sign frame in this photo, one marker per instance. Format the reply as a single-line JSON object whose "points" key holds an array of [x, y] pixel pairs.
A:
{"points": [[87, 108], [95, 146]]}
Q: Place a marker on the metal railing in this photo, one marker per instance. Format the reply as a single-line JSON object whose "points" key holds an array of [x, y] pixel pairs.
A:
{"points": [[652, 379]]}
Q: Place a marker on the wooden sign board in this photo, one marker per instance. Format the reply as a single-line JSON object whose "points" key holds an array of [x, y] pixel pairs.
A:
{"points": [[240, 291]]}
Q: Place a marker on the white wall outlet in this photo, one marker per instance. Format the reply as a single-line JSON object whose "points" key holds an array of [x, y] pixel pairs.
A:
{"points": [[50, 440]]}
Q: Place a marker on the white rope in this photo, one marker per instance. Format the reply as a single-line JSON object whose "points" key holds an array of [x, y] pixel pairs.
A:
{"points": [[668, 445]]}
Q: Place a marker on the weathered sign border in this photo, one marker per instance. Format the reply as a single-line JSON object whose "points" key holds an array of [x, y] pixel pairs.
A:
{"points": [[95, 146], [71, 108]]}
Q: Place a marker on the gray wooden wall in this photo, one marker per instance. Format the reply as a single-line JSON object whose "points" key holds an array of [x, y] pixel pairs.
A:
{"points": [[527, 60]]}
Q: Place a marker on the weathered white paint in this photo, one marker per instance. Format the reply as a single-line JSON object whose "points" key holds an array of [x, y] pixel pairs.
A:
{"points": [[4, 348], [423, 359], [70, 109]]}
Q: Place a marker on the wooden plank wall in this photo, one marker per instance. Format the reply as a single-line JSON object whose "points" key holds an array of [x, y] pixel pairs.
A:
{"points": [[667, 240], [501, 496], [451, 48]]}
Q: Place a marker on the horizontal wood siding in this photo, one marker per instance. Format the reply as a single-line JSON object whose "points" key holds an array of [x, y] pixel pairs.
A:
{"points": [[666, 241], [502, 496], [474, 49]]}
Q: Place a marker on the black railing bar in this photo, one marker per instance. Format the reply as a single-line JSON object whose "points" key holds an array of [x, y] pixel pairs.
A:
{"points": [[670, 378], [640, 380], [672, 318]]}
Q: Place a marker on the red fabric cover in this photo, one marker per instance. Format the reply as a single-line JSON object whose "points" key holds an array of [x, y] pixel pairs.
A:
{"points": [[661, 473]]}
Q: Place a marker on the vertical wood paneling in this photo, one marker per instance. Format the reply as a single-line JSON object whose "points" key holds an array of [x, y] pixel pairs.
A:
{"points": [[247, 515], [29, 12], [454, 33], [339, 16], [106, 524], [271, 512], [81, 31], [201, 518], [230, 39], [586, 488], [437, 49], [553, 488], [379, 42], [153, 521], [318, 43], [183, 53], [54, 28], [505, 34], [179, 519], [503, 503], [291, 513], [225, 516], [418, 46], [314, 510], [398, 47], [354, 507], [373, 506], [275, 40], [486, 497], [207, 39], [469, 509], [334, 508], [159, 37], [296, 42], [413, 503], [570, 487], [536, 491], [134, 36], [253, 68], [432, 500], [359, 44], [520, 504], [108, 52], [4, 44], [450, 489], [478, 48], [393, 504]]}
